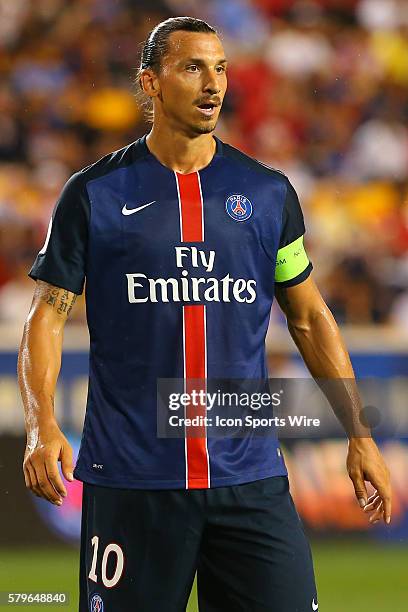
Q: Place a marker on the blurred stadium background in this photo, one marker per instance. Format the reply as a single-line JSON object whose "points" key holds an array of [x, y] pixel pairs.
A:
{"points": [[318, 89]]}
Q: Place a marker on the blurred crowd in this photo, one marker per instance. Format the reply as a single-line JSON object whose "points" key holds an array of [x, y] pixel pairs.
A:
{"points": [[317, 88]]}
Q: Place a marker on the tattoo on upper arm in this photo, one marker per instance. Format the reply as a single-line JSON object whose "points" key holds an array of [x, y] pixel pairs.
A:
{"points": [[60, 299], [63, 304]]}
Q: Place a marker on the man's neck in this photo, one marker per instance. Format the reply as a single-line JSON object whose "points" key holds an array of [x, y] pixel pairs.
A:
{"points": [[180, 152]]}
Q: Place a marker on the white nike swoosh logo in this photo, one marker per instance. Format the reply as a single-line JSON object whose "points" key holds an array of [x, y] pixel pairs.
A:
{"points": [[130, 211], [315, 606]]}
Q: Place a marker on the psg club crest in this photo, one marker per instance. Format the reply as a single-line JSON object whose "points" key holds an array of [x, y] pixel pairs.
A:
{"points": [[96, 603], [238, 207]]}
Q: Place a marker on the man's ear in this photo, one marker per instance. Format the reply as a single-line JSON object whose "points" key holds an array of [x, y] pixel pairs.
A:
{"points": [[150, 83]]}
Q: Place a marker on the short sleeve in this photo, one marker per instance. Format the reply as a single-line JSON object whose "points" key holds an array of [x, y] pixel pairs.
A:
{"points": [[292, 263], [62, 259]]}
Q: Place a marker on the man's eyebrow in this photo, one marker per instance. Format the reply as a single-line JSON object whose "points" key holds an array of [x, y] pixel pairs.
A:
{"points": [[197, 60]]}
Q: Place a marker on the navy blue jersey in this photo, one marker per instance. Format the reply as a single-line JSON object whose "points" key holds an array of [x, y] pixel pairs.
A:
{"points": [[180, 272]]}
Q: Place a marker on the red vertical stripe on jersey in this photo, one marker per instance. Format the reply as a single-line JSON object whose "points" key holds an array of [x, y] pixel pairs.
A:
{"points": [[192, 230], [196, 443], [191, 208]]}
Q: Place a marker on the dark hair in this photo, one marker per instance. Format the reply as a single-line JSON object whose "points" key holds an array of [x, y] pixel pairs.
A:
{"points": [[156, 46]]}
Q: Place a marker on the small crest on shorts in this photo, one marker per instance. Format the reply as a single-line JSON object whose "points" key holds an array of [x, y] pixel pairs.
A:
{"points": [[238, 207], [96, 603]]}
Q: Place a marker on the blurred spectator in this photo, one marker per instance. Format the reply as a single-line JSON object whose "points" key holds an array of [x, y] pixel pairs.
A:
{"points": [[17, 293], [379, 149], [354, 294], [382, 14], [299, 53]]}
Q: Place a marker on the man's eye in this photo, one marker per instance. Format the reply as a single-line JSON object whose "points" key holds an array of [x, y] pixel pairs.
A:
{"points": [[192, 68], [221, 68]]}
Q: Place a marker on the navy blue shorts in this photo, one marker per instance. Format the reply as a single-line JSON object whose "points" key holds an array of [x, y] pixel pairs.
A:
{"points": [[141, 549]]}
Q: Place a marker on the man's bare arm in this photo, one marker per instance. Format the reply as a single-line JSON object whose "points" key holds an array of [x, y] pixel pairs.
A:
{"points": [[317, 336], [39, 363]]}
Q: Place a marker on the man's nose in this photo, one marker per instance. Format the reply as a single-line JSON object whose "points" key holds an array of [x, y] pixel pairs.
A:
{"points": [[212, 85]]}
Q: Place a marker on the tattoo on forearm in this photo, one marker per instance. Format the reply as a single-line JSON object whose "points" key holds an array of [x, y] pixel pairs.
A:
{"points": [[59, 299]]}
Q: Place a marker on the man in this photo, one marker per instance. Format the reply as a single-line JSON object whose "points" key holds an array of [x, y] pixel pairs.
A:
{"points": [[177, 236]]}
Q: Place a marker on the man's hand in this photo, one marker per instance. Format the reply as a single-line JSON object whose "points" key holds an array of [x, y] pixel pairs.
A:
{"points": [[43, 451], [365, 463]]}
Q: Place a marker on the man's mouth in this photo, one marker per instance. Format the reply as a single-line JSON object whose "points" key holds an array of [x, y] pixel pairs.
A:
{"points": [[207, 109]]}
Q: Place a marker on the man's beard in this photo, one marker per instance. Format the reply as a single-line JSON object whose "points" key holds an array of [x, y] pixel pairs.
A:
{"points": [[205, 129]]}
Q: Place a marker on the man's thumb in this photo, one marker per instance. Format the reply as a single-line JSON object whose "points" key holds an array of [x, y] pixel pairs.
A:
{"points": [[67, 463]]}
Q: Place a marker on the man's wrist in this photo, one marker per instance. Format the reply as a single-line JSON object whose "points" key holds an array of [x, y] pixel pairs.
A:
{"points": [[40, 426], [361, 441]]}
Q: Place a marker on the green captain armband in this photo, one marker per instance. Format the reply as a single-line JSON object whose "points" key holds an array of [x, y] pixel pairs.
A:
{"points": [[291, 260]]}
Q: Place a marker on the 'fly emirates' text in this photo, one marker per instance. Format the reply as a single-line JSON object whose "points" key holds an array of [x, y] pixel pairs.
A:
{"points": [[190, 288]]}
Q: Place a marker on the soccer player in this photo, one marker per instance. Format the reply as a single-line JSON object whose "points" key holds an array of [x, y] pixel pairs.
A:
{"points": [[183, 242]]}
